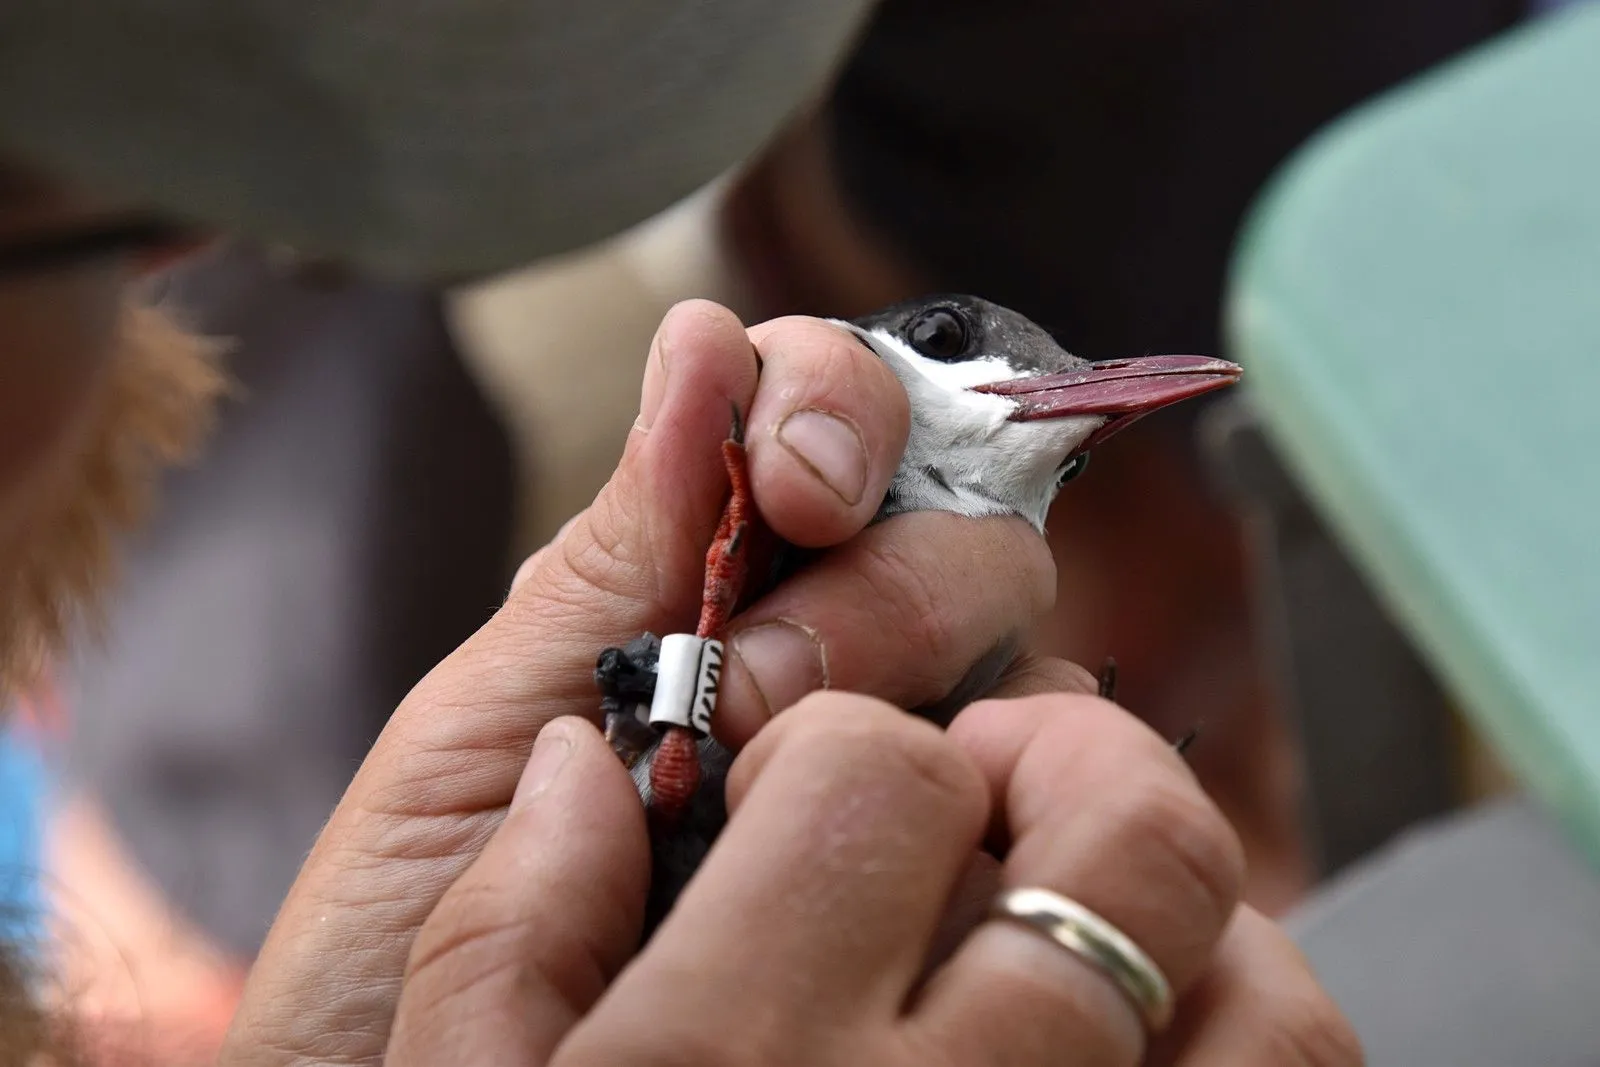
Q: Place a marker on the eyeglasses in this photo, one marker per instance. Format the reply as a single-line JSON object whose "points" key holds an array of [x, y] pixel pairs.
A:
{"points": [[42, 252]]}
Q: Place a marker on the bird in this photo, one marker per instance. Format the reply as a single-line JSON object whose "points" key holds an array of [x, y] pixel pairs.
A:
{"points": [[1002, 418]]}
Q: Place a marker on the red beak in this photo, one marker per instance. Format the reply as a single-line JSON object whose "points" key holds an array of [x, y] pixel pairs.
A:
{"points": [[1124, 390]]}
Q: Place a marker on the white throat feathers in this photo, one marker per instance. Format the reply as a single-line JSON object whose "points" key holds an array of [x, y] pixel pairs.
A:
{"points": [[964, 454]]}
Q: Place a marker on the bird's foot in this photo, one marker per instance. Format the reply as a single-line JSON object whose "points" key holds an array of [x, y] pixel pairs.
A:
{"points": [[1108, 691], [626, 677], [629, 736]]}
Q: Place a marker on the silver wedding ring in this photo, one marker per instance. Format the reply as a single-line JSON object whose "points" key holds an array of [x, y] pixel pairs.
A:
{"points": [[1092, 939]]}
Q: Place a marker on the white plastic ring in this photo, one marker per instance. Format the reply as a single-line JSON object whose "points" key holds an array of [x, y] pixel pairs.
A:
{"points": [[688, 678]]}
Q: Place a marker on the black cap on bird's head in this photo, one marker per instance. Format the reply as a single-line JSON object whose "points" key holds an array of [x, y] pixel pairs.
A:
{"points": [[1001, 415]]}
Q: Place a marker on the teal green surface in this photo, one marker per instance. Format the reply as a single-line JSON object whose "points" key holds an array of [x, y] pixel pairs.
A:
{"points": [[1417, 303]]}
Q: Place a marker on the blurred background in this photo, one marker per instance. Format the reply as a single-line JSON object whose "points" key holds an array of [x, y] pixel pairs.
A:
{"points": [[393, 452]]}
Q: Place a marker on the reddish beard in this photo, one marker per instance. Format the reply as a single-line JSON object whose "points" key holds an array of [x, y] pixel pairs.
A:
{"points": [[152, 409]]}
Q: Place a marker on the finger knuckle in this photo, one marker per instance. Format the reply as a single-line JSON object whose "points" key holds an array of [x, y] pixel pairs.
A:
{"points": [[1069, 677], [821, 716], [1183, 838], [1086, 716], [1033, 675], [602, 558], [851, 734], [925, 758], [1058, 714], [605, 553], [916, 602]]}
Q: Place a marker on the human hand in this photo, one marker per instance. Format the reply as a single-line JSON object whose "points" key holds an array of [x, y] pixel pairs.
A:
{"points": [[898, 611], [840, 918]]}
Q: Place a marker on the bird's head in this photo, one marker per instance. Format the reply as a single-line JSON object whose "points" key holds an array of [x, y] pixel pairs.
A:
{"points": [[1001, 415]]}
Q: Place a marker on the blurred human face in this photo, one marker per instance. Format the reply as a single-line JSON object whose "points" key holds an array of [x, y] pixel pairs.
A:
{"points": [[95, 391]]}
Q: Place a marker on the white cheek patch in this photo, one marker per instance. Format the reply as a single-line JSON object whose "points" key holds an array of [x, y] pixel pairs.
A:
{"points": [[948, 376], [941, 393], [988, 463]]}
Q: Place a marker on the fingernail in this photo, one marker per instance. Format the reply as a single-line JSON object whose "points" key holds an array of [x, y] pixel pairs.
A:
{"points": [[654, 390], [550, 752], [784, 660], [831, 447]]}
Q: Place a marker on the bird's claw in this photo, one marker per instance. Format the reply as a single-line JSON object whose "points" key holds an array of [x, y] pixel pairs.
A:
{"points": [[1108, 691], [628, 737], [1108, 680]]}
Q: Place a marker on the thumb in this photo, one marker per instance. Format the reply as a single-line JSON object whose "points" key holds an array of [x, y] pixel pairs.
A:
{"points": [[524, 944], [633, 561], [439, 778]]}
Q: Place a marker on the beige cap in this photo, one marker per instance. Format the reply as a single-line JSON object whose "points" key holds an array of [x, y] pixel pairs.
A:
{"points": [[438, 136]]}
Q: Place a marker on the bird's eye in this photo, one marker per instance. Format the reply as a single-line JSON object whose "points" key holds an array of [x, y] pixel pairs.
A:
{"points": [[1072, 468], [939, 333]]}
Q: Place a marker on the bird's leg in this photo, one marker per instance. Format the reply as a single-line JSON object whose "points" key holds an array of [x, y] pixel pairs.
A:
{"points": [[627, 676], [726, 569], [675, 770]]}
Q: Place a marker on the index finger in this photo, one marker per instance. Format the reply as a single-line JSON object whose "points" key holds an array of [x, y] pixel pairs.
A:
{"points": [[852, 823], [525, 942]]}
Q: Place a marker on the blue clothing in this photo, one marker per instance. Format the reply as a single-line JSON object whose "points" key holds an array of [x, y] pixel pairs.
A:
{"points": [[24, 792]]}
